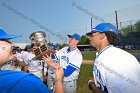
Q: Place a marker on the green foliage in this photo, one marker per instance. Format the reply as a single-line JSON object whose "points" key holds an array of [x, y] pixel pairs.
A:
{"points": [[85, 74], [130, 35], [61, 45], [125, 31], [84, 40], [137, 26]]}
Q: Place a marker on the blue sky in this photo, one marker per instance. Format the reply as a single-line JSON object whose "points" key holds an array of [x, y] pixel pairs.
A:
{"points": [[61, 17]]}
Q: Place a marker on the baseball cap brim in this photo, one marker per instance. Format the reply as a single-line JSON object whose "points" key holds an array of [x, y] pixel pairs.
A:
{"points": [[76, 36], [70, 36], [9, 36], [104, 27], [93, 31]]}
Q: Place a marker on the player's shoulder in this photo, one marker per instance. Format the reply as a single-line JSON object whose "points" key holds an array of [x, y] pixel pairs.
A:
{"points": [[119, 51], [78, 51], [65, 48], [21, 82]]}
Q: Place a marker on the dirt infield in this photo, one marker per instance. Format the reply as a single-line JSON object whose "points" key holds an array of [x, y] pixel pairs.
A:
{"points": [[88, 62]]}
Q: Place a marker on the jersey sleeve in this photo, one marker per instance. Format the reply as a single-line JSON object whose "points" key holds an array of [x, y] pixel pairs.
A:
{"points": [[74, 64], [69, 71]]}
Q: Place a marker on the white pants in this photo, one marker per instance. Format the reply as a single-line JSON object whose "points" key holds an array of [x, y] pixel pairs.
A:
{"points": [[69, 86]]}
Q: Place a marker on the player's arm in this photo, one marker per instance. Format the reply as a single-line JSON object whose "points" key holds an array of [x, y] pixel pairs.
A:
{"points": [[20, 63], [49, 61], [69, 70], [59, 74], [73, 65]]}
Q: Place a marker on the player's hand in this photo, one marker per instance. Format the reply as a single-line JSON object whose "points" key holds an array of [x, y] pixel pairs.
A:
{"points": [[90, 82], [14, 58], [25, 69], [49, 61], [59, 74], [93, 87]]}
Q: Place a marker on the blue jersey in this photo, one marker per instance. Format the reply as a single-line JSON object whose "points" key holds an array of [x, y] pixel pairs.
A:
{"points": [[20, 82]]}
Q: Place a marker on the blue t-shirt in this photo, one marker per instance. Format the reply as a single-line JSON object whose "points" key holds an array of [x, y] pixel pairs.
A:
{"points": [[21, 82]]}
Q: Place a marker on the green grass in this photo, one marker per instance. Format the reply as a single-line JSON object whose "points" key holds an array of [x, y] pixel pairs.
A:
{"points": [[85, 74], [134, 52], [90, 55]]}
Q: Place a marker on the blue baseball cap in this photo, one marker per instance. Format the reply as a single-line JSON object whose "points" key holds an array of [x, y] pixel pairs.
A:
{"points": [[76, 36], [104, 27], [4, 35]]}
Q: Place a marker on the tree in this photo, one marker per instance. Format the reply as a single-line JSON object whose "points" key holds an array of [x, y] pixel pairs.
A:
{"points": [[130, 34], [137, 29], [137, 26], [84, 40]]}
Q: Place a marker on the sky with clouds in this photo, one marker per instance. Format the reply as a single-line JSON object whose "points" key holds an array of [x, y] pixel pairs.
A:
{"points": [[61, 17]]}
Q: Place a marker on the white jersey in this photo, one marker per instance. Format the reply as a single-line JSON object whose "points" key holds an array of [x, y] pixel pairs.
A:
{"points": [[72, 58], [11, 65], [34, 66], [117, 71]]}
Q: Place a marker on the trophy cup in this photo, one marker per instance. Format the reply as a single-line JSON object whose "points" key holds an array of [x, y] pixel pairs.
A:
{"points": [[38, 39]]}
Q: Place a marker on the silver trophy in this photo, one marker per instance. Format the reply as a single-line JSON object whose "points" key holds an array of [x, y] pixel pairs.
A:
{"points": [[38, 38]]}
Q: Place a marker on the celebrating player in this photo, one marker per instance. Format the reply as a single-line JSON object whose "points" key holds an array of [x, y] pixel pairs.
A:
{"points": [[115, 70], [70, 59], [36, 67]]}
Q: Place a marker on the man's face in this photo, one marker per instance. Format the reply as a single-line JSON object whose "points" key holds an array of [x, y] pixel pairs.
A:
{"points": [[5, 51], [35, 47], [95, 39], [73, 42]]}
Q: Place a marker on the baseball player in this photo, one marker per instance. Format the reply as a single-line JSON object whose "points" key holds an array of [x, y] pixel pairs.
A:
{"points": [[37, 67], [70, 59], [115, 70]]}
